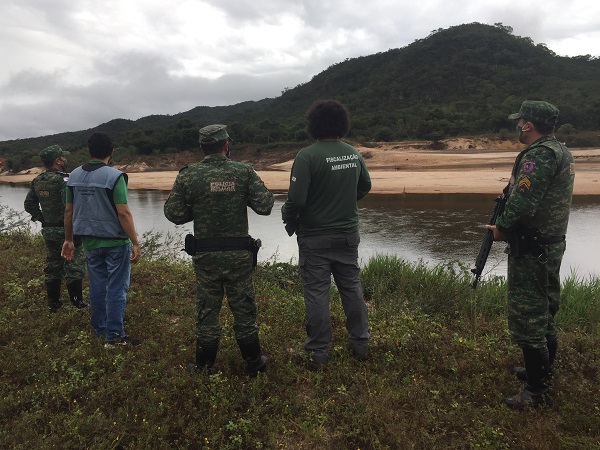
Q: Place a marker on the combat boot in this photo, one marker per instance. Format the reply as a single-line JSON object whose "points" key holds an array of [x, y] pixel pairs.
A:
{"points": [[76, 294], [535, 392], [53, 292], [252, 354], [552, 343], [206, 354]]}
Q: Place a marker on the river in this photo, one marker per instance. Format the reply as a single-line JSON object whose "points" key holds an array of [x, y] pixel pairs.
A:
{"points": [[431, 228]]}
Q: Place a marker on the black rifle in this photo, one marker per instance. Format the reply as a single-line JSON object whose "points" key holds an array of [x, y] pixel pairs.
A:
{"points": [[488, 239]]}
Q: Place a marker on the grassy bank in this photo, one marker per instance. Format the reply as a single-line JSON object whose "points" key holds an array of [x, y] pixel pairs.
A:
{"points": [[438, 372]]}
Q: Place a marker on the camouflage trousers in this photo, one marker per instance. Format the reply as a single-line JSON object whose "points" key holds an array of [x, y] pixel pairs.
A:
{"points": [[58, 268], [220, 274], [534, 296]]}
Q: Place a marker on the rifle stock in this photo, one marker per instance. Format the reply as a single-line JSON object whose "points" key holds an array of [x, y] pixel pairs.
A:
{"points": [[488, 239]]}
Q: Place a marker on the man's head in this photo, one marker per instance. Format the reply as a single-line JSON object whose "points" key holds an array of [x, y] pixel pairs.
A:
{"points": [[214, 138], [327, 119], [100, 145], [51, 154], [537, 116]]}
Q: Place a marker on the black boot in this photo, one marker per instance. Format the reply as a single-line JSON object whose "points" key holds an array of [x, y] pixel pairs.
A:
{"points": [[206, 354], [535, 390], [76, 294], [255, 360], [53, 291], [552, 343]]}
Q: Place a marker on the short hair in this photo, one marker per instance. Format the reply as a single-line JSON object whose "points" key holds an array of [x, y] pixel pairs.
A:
{"points": [[542, 128], [213, 147], [100, 145], [328, 119]]}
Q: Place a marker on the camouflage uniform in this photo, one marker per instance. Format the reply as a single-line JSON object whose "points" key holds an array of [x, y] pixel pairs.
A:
{"points": [[535, 222], [215, 194], [45, 201]]}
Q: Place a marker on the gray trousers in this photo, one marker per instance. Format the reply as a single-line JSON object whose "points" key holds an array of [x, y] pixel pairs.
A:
{"points": [[319, 258]]}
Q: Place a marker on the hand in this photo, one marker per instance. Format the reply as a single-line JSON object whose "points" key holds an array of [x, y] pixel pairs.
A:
{"points": [[498, 235], [136, 253], [68, 250], [291, 228]]}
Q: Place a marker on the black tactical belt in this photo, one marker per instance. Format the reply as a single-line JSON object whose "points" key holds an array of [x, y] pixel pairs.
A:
{"points": [[548, 239], [194, 246], [531, 242], [55, 225]]}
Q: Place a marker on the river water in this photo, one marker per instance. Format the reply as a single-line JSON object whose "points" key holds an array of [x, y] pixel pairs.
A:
{"points": [[432, 228]]}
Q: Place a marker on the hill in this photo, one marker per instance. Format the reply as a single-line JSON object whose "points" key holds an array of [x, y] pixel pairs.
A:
{"points": [[459, 81]]}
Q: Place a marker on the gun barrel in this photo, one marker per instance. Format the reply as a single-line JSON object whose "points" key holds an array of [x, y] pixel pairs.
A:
{"points": [[488, 240]]}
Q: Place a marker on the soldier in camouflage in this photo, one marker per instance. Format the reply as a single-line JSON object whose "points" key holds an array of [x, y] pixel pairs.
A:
{"points": [[215, 194], [534, 222], [45, 202]]}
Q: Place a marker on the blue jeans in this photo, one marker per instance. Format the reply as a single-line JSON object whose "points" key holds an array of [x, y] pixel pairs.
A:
{"points": [[108, 271]]}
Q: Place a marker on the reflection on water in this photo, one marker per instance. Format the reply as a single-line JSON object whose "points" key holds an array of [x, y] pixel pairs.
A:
{"points": [[428, 227]]}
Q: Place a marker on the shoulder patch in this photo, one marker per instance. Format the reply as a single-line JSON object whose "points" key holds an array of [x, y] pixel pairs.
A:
{"points": [[524, 186], [527, 167]]}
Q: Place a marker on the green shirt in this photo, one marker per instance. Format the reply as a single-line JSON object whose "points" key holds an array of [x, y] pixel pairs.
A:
{"points": [[119, 197], [45, 201], [326, 181], [215, 194], [539, 196]]}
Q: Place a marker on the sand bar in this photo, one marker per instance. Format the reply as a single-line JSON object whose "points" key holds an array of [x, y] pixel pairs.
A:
{"points": [[401, 168]]}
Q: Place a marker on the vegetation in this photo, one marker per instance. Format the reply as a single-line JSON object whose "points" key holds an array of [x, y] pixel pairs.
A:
{"points": [[464, 80], [439, 366]]}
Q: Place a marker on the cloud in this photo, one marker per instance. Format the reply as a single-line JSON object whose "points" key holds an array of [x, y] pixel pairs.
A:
{"points": [[130, 86], [70, 65]]}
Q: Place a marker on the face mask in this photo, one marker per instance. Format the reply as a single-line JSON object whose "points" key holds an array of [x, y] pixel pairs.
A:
{"points": [[64, 166], [110, 161], [518, 131]]}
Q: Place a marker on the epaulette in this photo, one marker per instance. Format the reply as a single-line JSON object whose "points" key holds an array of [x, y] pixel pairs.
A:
{"points": [[183, 168]]}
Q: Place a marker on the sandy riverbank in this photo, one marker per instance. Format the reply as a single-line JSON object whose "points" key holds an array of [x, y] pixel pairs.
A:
{"points": [[466, 166]]}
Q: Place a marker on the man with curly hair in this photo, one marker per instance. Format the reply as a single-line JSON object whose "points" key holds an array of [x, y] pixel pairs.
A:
{"points": [[326, 181]]}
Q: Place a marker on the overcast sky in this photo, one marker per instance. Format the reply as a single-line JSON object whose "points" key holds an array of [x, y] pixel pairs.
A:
{"points": [[68, 65]]}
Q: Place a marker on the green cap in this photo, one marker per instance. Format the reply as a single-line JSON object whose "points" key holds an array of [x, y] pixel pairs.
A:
{"points": [[49, 154], [536, 111], [213, 133]]}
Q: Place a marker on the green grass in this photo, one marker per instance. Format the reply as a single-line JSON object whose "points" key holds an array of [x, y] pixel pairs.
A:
{"points": [[438, 372]]}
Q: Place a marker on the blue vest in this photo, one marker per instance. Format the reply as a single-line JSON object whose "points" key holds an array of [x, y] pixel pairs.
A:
{"points": [[94, 211]]}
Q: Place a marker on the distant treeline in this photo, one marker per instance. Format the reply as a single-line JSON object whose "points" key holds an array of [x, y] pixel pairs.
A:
{"points": [[464, 80]]}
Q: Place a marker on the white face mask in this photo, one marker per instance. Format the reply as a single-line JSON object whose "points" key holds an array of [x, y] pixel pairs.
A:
{"points": [[519, 131]]}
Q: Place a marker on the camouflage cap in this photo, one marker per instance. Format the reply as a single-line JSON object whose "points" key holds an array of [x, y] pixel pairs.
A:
{"points": [[213, 133], [542, 112], [49, 154]]}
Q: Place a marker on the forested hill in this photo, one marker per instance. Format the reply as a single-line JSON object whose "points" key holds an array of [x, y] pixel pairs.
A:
{"points": [[462, 80]]}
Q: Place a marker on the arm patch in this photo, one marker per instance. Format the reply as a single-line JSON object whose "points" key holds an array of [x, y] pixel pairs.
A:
{"points": [[528, 167], [524, 186]]}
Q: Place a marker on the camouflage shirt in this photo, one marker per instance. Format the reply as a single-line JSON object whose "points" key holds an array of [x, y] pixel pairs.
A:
{"points": [[215, 193], [45, 201], [540, 198]]}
